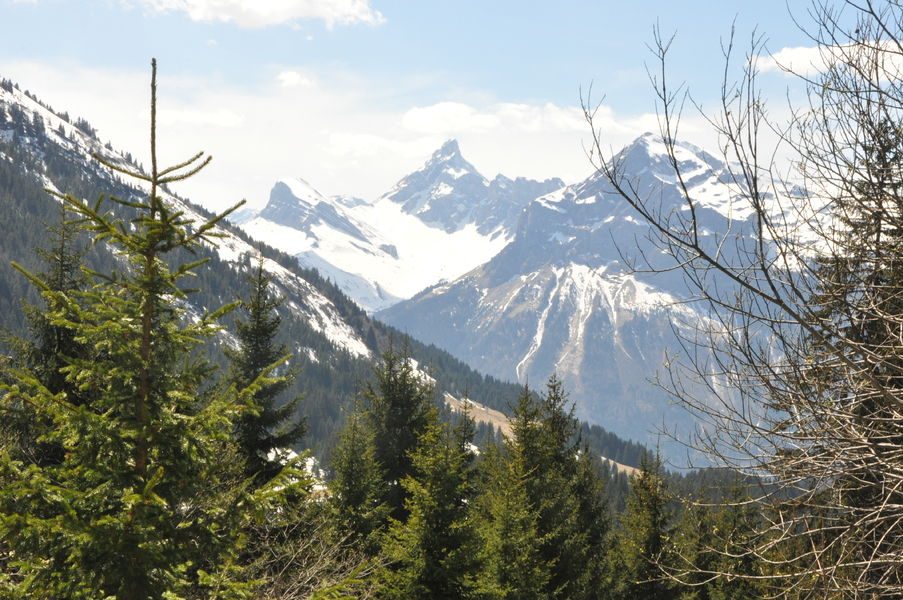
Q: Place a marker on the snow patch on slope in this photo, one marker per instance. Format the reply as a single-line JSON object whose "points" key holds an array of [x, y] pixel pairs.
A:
{"points": [[401, 256]]}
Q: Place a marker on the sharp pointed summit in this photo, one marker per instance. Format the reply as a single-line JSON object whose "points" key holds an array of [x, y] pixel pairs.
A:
{"points": [[449, 193], [449, 149]]}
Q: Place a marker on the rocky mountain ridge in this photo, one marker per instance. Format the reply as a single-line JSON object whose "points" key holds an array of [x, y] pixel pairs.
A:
{"points": [[435, 224]]}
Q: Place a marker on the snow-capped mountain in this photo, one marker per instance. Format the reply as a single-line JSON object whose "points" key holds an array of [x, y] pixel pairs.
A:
{"points": [[435, 224], [559, 297], [450, 194]]}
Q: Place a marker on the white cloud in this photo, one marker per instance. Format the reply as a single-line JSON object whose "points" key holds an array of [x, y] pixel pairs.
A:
{"points": [[352, 145], [293, 79], [809, 61], [454, 118], [799, 59], [266, 13], [448, 117]]}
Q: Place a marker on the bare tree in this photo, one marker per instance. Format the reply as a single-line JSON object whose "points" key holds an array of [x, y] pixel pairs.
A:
{"points": [[304, 558], [801, 347]]}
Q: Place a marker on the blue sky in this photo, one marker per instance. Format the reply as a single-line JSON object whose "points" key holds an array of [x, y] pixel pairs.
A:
{"points": [[352, 94]]}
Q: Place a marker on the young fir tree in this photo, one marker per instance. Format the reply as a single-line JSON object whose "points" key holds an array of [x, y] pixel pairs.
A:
{"points": [[861, 282], [643, 539], [569, 512], [592, 525], [512, 567], [397, 412], [358, 488], [47, 347], [693, 559], [433, 554], [140, 506], [711, 556], [268, 426]]}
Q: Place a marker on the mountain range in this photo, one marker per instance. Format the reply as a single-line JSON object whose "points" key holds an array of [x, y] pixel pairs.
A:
{"points": [[522, 278], [434, 224]]}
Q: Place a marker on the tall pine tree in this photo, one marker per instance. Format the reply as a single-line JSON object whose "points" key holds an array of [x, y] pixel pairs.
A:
{"points": [[358, 487], [567, 497], [268, 425], [643, 540], [512, 566], [397, 410]]}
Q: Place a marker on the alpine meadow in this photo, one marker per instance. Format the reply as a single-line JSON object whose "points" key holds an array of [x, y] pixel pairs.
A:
{"points": [[660, 357]]}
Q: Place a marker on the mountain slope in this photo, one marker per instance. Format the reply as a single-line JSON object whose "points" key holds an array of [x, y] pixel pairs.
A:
{"points": [[560, 298], [435, 224]]}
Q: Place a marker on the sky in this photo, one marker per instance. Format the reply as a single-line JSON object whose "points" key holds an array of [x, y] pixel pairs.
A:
{"points": [[351, 95]]}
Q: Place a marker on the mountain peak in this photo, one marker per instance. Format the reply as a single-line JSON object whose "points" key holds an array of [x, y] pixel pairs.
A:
{"points": [[291, 201], [450, 146], [651, 151], [302, 191], [450, 151]]}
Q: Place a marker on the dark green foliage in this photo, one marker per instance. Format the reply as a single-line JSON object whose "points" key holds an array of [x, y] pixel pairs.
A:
{"points": [[563, 494], [433, 554], [642, 542], [145, 481], [268, 426], [358, 488], [512, 564], [860, 284], [611, 446], [711, 554], [733, 537], [591, 526], [47, 348], [397, 409]]}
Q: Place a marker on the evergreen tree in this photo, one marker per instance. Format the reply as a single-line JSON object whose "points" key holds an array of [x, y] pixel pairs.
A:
{"points": [[693, 559], [397, 411], [267, 426], [642, 542], [142, 506], [358, 488], [512, 567], [591, 523], [47, 347], [433, 554], [569, 514], [732, 535], [860, 293], [711, 556]]}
